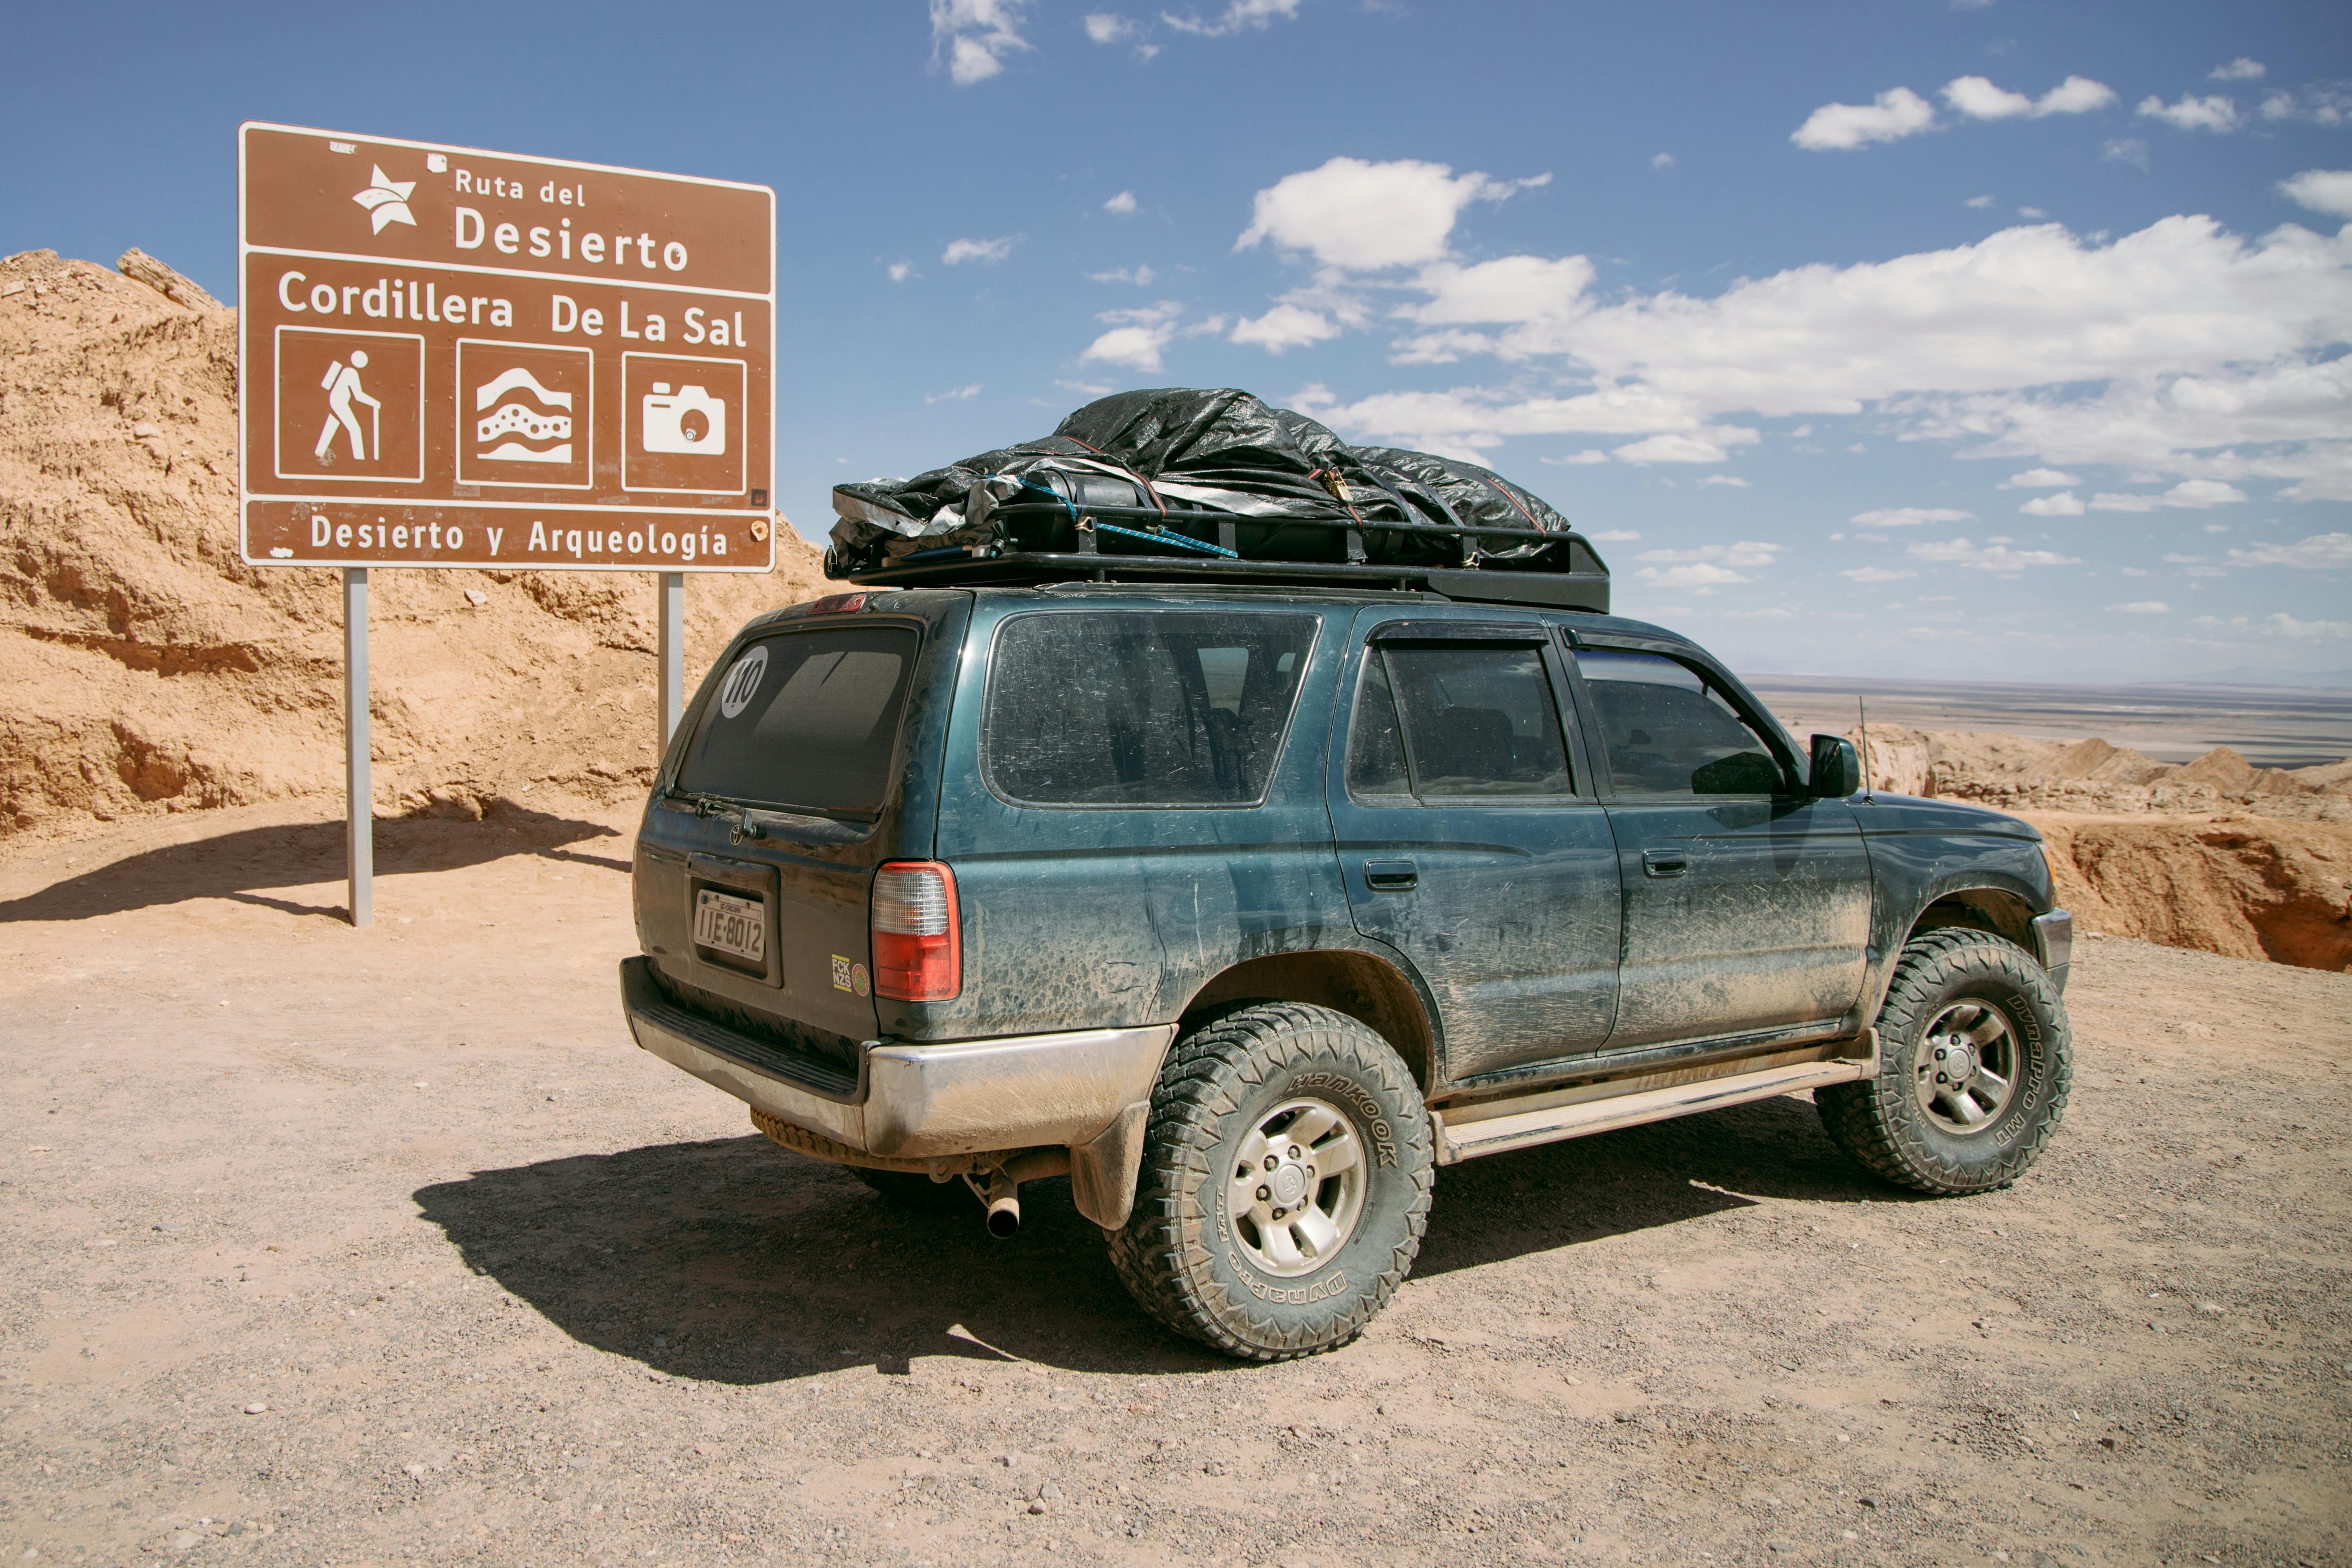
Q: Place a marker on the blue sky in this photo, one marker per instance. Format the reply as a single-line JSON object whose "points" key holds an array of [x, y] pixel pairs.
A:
{"points": [[1907, 337]]}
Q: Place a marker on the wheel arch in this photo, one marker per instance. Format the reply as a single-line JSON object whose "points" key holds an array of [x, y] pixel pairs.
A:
{"points": [[1365, 986], [1998, 911]]}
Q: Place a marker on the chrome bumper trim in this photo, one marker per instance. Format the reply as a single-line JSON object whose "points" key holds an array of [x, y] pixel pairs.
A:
{"points": [[964, 1097], [2054, 944]]}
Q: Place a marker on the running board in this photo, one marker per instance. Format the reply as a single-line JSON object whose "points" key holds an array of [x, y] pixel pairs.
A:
{"points": [[1525, 1128]]}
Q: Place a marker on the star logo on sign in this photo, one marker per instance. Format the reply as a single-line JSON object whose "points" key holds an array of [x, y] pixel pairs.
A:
{"points": [[387, 200]]}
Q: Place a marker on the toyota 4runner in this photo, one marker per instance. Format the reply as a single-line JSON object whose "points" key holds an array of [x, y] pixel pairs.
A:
{"points": [[1249, 904]]}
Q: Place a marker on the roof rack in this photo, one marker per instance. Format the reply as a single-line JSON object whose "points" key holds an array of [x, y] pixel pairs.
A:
{"points": [[1143, 544]]}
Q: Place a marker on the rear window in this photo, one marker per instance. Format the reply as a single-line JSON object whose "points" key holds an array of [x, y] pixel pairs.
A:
{"points": [[1141, 707], [806, 721]]}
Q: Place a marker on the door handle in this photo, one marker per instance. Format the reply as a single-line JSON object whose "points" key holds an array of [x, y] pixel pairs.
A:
{"points": [[1390, 876], [1664, 862]]}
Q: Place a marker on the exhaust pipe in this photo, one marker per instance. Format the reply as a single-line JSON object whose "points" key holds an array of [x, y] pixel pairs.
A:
{"points": [[1003, 1205]]}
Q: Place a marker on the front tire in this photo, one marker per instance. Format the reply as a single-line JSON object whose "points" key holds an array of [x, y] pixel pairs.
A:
{"points": [[1976, 1057], [1287, 1174]]}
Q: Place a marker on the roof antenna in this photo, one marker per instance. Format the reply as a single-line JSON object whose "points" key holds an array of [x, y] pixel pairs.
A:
{"points": [[1863, 709]]}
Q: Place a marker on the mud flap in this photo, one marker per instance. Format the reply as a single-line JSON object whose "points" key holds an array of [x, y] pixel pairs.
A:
{"points": [[1104, 1169]]}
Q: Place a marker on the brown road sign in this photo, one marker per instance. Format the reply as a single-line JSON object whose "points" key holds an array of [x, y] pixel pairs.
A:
{"points": [[449, 357]]}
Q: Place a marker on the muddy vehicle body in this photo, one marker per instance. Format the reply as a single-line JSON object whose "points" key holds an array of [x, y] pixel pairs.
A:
{"points": [[1249, 906]]}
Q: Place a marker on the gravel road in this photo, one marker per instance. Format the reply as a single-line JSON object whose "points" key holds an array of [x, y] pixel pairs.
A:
{"points": [[338, 1247]]}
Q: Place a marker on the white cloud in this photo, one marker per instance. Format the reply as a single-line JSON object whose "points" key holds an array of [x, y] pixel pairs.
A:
{"points": [[991, 250], [1909, 515], [2182, 350], [1122, 203], [2325, 191], [2330, 105], [955, 394], [1876, 573], [2216, 113], [1107, 27], [1365, 217], [1238, 17], [1615, 535], [1841, 127], [2038, 479], [2197, 493], [1686, 447], [2035, 213], [2066, 503], [1979, 99], [1978, 201], [1701, 576], [1994, 555], [1285, 327], [1137, 336], [1514, 289], [1137, 347], [2125, 150], [2320, 553], [2143, 607], [1585, 458], [2280, 624], [1661, 160], [901, 270], [1141, 276], [2240, 69], [1731, 479], [1085, 388], [975, 35], [1750, 552]]}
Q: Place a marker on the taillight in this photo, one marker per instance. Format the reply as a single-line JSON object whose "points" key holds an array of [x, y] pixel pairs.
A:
{"points": [[918, 944]]}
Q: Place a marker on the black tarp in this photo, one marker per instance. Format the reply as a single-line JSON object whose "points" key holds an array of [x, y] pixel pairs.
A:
{"points": [[1197, 459]]}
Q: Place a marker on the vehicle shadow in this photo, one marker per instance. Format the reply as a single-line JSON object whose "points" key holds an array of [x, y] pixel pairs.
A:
{"points": [[239, 864], [733, 1262], [1560, 1194]]}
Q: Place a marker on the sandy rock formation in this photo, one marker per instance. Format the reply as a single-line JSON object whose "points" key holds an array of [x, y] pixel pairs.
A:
{"points": [[2246, 888], [144, 668]]}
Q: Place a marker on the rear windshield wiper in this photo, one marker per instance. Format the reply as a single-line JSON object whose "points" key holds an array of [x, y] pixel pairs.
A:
{"points": [[736, 812]]}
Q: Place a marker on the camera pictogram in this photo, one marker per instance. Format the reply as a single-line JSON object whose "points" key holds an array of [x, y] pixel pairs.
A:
{"points": [[689, 420], [683, 424]]}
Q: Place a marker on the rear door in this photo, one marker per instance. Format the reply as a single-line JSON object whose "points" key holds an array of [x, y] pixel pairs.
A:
{"points": [[1470, 835], [757, 899], [1132, 803], [1746, 902]]}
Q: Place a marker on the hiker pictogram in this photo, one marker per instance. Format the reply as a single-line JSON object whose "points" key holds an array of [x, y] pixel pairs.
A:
{"points": [[342, 387]]}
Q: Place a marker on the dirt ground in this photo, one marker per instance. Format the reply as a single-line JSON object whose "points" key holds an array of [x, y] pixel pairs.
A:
{"points": [[336, 1247]]}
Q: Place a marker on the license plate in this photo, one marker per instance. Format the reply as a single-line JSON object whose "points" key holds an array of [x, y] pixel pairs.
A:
{"points": [[735, 926]]}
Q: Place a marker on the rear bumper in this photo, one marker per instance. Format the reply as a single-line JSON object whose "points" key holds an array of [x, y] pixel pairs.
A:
{"points": [[2054, 944], [919, 1102]]}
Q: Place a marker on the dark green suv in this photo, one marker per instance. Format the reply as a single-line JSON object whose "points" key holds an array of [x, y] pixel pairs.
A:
{"points": [[1250, 903]]}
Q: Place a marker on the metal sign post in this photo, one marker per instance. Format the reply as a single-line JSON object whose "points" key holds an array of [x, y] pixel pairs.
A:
{"points": [[358, 791], [452, 358], [673, 653]]}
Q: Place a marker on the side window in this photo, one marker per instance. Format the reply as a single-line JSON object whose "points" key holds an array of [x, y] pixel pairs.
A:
{"points": [[1140, 706], [1441, 721], [1668, 731]]}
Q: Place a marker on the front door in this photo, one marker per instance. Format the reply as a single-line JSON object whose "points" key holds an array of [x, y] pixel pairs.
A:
{"points": [[1470, 836], [1746, 902]]}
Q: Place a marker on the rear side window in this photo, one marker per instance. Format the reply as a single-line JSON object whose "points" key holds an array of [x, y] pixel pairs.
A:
{"points": [[806, 721], [1141, 707], [1669, 732], [1440, 721]]}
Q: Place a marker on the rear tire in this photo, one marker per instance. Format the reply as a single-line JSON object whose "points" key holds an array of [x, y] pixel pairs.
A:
{"points": [[1976, 1059], [1287, 1176]]}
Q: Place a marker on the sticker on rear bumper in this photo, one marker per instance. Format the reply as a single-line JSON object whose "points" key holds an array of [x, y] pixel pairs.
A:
{"points": [[851, 977]]}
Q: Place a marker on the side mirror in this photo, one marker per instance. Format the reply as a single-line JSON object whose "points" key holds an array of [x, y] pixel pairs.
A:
{"points": [[1837, 770]]}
